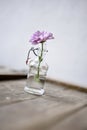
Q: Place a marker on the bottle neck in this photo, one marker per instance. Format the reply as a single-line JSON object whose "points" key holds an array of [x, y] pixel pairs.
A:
{"points": [[42, 50], [39, 52]]}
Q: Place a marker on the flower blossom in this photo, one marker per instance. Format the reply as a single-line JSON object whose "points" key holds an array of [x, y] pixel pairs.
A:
{"points": [[40, 37]]}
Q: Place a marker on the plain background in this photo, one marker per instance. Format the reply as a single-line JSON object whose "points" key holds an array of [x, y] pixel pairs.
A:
{"points": [[66, 19]]}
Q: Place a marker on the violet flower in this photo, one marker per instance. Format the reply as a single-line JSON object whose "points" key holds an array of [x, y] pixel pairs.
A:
{"points": [[40, 37]]}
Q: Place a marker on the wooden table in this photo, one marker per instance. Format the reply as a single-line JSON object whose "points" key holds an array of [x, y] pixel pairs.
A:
{"points": [[60, 108]]}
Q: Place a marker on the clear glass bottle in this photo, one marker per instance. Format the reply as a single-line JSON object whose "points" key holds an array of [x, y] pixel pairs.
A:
{"points": [[36, 76]]}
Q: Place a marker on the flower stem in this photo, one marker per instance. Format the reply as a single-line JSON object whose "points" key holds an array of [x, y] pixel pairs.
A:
{"points": [[40, 60]]}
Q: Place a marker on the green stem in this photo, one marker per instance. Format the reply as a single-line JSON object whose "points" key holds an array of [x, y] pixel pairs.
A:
{"points": [[40, 60]]}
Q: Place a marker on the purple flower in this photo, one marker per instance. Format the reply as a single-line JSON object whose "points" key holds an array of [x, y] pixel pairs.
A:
{"points": [[40, 37]]}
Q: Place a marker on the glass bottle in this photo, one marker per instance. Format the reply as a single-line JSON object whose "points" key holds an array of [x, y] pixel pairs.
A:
{"points": [[37, 72]]}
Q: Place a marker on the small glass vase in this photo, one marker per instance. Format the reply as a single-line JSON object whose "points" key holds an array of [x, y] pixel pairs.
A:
{"points": [[36, 77]]}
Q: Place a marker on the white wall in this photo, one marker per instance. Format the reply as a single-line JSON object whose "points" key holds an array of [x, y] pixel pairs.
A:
{"points": [[67, 19]]}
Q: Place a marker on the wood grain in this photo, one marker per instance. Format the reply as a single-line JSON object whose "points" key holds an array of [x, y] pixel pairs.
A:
{"points": [[23, 111]]}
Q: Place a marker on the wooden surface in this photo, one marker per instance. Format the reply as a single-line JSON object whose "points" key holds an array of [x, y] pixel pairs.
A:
{"points": [[60, 108], [11, 74]]}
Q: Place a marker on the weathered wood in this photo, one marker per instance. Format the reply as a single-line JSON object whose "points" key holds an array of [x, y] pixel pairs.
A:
{"points": [[12, 77], [11, 91], [11, 74], [76, 121], [23, 111], [35, 114], [62, 107], [8, 71]]}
